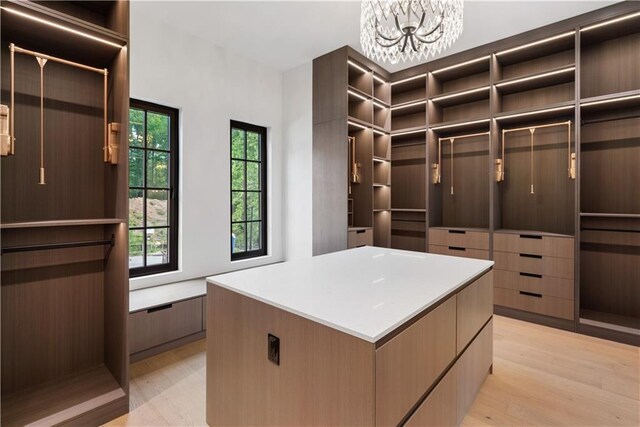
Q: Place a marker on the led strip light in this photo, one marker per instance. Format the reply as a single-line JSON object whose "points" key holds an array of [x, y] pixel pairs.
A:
{"points": [[466, 92], [452, 67], [454, 125], [613, 21], [409, 132], [357, 125], [536, 43], [357, 95], [530, 113], [607, 101], [353, 64], [408, 79], [537, 76], [413, 104]]}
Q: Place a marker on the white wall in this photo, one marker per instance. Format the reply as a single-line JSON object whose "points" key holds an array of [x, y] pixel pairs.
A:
{"points": [[297, 129], [210, 86]]}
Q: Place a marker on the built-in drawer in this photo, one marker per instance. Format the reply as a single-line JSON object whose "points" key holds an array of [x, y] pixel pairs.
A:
{"points": [[160, 325], [474, 308], [360, 237], [534, 302], [459, 238], [439, 408], [536, 283], [408, 364], [459, 251], [534, 264], [561, 247]]}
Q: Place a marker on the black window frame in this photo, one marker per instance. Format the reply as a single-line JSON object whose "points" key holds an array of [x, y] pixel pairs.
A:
{"points": [[262, 131], [173, 211]]}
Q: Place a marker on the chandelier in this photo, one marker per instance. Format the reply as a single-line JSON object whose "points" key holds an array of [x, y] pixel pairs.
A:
{"points": [[407, 30]]}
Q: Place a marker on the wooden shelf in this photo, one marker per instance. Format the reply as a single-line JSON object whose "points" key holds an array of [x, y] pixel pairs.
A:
{"points": [[456, 71], [359, 92], [610, 30], [461, 96], [627, 324], [62, 223], [552, 77], [460, 125], [481, 229], [620, 100], [358, 122], [62, 401], [531, 233], [555, 111], [407, 210], [538, 48], [609, 215]]}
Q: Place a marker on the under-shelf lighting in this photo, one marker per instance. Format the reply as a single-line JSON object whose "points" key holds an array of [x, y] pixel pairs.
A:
{"points": [[379, 160], [536, 43], [357, 95], [357, 125], [377, 132], [354, 65], [537, 76], [455, 125], [612, 21], [408, 79], [60, 27], [462, 64], [379, 105], [533, 113], [409, 132], [412, 104], [379, 79], [607, 101], [466, 92]]}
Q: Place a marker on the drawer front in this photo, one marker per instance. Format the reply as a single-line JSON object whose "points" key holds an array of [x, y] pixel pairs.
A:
{"points": [[439, 408], [534, 302], [536, 283], [459, 238], [409, 363], [160, 325], [457, 251], [360, 238], [534, 264], [561, 247], [474, 308]]}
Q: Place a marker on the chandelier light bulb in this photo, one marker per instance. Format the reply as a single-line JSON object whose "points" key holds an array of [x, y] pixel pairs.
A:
{"points": [[406, 30]]}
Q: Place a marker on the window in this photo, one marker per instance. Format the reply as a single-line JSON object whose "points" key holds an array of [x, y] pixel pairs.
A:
{"points": [[153, 187], [248, 190]]}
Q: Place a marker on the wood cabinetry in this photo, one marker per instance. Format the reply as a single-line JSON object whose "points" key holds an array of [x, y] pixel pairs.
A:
{"points": [[65, 274], [361, 236]]}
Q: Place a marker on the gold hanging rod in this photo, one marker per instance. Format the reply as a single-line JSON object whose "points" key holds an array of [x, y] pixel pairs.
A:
{"points": [[464, 136], [437, 173], [568, 122], [103, 71]]}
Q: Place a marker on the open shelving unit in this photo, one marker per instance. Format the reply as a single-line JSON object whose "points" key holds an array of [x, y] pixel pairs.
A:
{"points": [[64, 264]]}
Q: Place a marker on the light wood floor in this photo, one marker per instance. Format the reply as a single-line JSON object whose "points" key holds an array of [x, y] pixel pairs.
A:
{"points": [[541, 376]]}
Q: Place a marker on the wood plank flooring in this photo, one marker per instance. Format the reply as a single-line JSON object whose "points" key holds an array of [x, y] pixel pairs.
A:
{"points": [[541, 377]]}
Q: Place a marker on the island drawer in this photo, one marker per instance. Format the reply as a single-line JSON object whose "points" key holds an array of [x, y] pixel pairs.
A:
{"points": [[459, 238], [474, 308], [534, 264], [360, 237], [534, 302], [561, 247], [458, 251], [536, 283], [408, 364], [160, 325]]}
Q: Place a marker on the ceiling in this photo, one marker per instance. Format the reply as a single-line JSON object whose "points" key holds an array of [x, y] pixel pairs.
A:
{"points": [[285, 34]]}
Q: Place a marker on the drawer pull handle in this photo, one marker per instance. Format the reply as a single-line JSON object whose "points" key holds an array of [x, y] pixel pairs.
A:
{"points": [[456, 248], [531, 256], [531, 294], [360, 231], [160, 308], [537, 276], [530, 236], [457, 232]]}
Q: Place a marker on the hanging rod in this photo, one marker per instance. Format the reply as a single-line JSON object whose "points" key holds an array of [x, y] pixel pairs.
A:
{"points": [[42, 56], [436, 173], [613, 230], [65, 245]]}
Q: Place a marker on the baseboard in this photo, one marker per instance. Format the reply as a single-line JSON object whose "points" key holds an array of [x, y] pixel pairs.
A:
{"points": [[553, 322], [610, 334], [167, 346]]}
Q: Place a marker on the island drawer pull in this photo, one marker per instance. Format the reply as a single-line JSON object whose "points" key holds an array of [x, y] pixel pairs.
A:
{"points": [[537, 276], [160, 308], [456, 248], [457, 232], [360, 231], [530, 294], [531, 256], [530, 236]]}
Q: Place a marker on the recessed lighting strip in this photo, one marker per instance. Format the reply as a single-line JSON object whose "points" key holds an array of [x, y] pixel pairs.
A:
{"points": [[357, 95], [533, 113], [379, 105], [408, 79], [353, 64], [357, 125], [612, 21], [455, 125], [379, 160], [376, 131], [537, 76], [60, 27], [607, 101], [462, 64], [413, 104], [536, 43], [457, 94], [411, 132], [379, 79]]}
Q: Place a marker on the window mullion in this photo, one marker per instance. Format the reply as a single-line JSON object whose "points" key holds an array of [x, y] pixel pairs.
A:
{"points": [[144, 193]]}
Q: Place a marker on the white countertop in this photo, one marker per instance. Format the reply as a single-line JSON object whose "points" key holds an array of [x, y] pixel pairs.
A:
{"points": [[365, 292]]}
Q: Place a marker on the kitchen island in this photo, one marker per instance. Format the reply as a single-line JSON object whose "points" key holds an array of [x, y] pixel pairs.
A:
{"points": [[367, 336]]}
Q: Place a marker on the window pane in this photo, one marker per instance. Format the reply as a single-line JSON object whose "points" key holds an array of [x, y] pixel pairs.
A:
{"points": [[136, 167], [157, 169], [253, 176], [237, 206], [157, 246], [254, 236], [136, 128], [136, 250], [157, 131], [157, 208], [253, 146], [238, 238], [135, 208], [253, 206], [237, 174], [237, 144]]}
